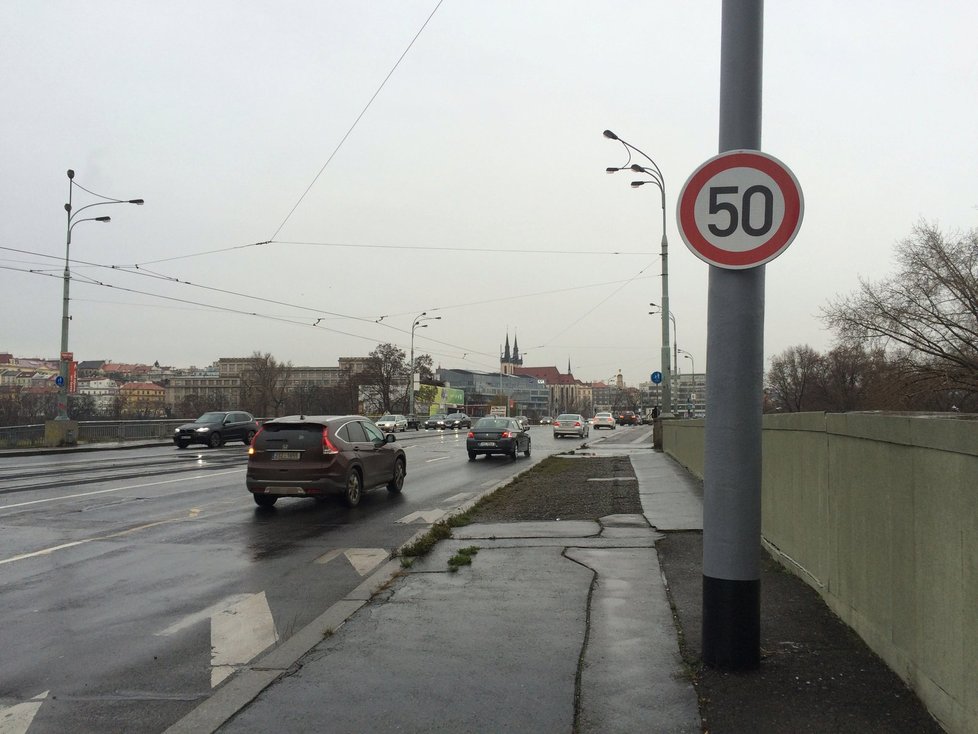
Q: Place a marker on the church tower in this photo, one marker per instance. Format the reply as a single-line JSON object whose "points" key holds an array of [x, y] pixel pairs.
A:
{"points": [[510, 360]]}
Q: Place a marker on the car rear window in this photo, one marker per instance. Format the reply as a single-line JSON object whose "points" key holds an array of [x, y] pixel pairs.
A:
{"points": [[292, 432], [490, 424]]}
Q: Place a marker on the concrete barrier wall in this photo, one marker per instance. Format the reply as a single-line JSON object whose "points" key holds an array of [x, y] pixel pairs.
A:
{"points": [[879, 513]]}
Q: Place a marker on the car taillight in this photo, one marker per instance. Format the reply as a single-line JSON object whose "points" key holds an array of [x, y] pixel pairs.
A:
{"points": [[251, 446], [577, 424], [506, 434], [556, 423], [471, 434], [328, 447]]}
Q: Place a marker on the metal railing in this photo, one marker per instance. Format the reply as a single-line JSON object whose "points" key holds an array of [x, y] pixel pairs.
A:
{"points": [[32, 436]]}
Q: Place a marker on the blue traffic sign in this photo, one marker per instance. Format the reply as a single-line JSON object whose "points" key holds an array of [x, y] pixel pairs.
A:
{"points": [[59, 381], [656, 377]]}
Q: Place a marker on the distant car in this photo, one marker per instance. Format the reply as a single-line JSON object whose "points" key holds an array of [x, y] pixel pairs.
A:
{"points": [[546, 420], [315, 456], [524, 421], [627, 418], [496, 435], [392, 423], [604, 420], [570, 424], [435, 421], [457, 420], [217, 428]]}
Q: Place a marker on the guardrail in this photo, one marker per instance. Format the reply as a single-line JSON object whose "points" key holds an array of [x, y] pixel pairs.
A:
{"points": [[31, 436]]}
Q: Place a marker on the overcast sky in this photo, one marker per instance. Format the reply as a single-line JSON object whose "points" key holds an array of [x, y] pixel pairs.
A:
{"points": [[472, 187]]}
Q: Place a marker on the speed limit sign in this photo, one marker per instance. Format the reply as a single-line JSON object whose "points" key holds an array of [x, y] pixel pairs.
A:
{"points": [[740, 209]]}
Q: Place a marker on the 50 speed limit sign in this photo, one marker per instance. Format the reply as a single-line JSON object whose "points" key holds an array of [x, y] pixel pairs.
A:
{"points": [[740, 209]]}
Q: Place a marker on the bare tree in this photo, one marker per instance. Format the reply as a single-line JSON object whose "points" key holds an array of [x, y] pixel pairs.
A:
{"points": [[792, 379], [927, 310], [264, 384], [382, 382]]}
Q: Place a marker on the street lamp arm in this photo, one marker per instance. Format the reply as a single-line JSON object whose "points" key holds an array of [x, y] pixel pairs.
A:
{"points": [[108, 199]]}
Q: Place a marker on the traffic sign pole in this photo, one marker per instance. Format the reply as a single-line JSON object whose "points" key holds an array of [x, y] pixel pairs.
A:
{"points": [[735, 339]]}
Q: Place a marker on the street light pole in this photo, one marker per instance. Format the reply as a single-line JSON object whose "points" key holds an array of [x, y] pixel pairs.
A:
{"points": [[414, 324], [659, 180], [675, 337], [65, 359]]}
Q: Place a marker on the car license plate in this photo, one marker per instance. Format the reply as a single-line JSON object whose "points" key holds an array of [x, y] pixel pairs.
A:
{"points": [[286, 455], [487, 443]]}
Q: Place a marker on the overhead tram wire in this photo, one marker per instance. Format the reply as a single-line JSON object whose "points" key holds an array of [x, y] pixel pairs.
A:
{"points": [[357, 120]]}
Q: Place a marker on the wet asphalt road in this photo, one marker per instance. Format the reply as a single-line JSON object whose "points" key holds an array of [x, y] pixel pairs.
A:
{"points": [[133, 582]]}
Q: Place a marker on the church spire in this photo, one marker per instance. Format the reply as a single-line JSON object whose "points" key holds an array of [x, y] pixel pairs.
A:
{"points": [[516, 352], [568, 366], [506, 356]]}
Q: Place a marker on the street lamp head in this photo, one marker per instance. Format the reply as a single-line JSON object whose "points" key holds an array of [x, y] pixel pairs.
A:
{"points": [[138, 202], [610, 135], [103, 219], [637, 168], [636, 184], [654, 304], [68, 208], [71, 174], [611, 169]]}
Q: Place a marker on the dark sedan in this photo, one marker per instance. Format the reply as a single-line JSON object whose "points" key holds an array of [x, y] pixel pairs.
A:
{"points": [[312, 456], [216, 428], [435, 421], [497, 436], [457, 420]]}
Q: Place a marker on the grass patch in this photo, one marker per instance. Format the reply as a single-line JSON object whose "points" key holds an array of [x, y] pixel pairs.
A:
{"points": [[462, 558], [423, 545]]}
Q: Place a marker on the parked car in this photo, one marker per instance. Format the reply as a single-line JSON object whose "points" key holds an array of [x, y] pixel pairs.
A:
{"points": [[524, 421], [604, 420], [315, 456], [570, 424], [494, 435], [546, 420], [435, 421], [627, 418], [457, 420], [217, 428], [392, 423]]}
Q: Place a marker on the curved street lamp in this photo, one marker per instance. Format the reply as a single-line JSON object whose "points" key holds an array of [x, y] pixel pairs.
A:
{"points": [[65, 318], [675, 335], [655, 174], [414, 325], [689, 356]]}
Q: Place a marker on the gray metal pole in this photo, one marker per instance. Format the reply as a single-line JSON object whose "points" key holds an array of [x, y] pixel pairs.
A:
{"points": [[735, 343], [63, 363], [666, 371]]}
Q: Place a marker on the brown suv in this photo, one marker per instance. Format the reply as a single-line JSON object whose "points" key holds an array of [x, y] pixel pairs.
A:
{"points": [[312, 456]]}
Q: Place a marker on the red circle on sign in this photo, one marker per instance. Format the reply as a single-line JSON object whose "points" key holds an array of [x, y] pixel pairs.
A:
{"points": [[766, 251]]}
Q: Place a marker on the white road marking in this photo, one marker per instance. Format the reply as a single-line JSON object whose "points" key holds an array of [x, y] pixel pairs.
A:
{"points": [[238, 634], [119, 534], [440, 458], [18, 718], [192, 619], [327, 557], [461, 497], [118, 489], [365, 560], [426, 516]]}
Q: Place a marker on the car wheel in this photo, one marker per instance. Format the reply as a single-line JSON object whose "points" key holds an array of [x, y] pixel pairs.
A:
{"points": [[182, 444], [215, 440], [264, 500], [527, 452], [354, 489], [249, 437], [472, 455], [516, 449], [396, 484]]}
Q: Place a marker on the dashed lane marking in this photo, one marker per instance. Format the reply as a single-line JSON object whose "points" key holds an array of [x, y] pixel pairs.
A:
{"points": [[423, 516]]}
